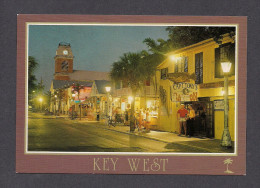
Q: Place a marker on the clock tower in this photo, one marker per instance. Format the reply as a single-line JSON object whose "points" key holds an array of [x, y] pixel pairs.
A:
{"points": [[63, 61]]}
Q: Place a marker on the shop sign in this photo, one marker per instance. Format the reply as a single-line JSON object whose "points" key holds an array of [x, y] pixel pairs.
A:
{"points": [[219, 105], [183, 91]]}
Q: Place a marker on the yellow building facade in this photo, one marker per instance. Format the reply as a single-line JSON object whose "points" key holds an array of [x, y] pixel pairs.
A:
{"points": [[193, 75]]}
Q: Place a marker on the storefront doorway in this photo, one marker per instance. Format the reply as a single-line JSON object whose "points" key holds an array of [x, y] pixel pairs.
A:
{"points": [[204, 121]]}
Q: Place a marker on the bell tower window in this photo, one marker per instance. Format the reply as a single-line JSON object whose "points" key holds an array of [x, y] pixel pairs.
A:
{"points": [[64, 66]]}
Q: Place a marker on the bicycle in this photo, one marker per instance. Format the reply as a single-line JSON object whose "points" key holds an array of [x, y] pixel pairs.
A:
{"points": [[73, 116]]}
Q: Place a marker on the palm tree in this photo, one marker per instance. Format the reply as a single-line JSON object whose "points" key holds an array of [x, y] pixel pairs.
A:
{"points": [[32, 85], [130, 70], [153, 57], [228, 162]]}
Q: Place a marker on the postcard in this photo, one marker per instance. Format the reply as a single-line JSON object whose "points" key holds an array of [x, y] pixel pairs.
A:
{"points": [[131, 94]]}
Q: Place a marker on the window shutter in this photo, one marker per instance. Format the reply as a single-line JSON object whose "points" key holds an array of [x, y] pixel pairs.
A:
{"points": [[201, 67], [176, 66], [217, 64], [186, 64], [197, 70]]}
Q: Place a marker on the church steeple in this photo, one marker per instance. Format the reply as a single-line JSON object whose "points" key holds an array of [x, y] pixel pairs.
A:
{"points": [[63, 61]]}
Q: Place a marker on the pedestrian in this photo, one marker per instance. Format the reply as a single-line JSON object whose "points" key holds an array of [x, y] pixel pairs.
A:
{"points": [[190, 121], [181, 117], [203, 122], [126, 117], [140, 120]]}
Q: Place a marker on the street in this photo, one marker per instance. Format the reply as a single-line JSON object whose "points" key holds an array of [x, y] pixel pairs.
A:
{"points": [[48, 133]]}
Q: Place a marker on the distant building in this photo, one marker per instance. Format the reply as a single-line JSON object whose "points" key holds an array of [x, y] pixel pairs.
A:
{"points": [[66, 79], [99, 97]]}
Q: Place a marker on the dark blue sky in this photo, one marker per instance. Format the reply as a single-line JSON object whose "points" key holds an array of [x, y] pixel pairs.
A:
{"points": [[95, 47]]}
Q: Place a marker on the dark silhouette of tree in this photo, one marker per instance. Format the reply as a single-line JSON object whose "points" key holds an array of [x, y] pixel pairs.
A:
{"points": [[32, 65], [40, 88], [182, 36]]}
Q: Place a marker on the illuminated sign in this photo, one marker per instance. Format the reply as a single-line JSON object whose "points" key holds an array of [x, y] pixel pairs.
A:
{"points": [[181, 92]]}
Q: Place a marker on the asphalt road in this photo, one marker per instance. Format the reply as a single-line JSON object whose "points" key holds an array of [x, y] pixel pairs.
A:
{"points": [[51, 134]]}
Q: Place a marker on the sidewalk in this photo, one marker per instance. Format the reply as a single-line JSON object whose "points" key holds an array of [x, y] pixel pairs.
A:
{"points": [[206, 145], [157, 135]]}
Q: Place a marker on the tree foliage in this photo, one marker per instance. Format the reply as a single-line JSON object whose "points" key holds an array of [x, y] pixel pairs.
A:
{"points": [[182, 36], [32, 65], [130, 70]]}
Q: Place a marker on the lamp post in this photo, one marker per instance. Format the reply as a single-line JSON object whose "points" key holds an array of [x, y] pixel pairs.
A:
{"points": [[55, 101], [72, 106], [108, 89], [226, 139]]}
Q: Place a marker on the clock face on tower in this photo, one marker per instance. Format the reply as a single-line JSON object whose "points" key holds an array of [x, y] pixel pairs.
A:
{"points": [[65, 52]]}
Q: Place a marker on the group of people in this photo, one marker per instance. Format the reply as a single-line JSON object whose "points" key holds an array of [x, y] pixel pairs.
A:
{"points": [[186, 120], [142, 117]]}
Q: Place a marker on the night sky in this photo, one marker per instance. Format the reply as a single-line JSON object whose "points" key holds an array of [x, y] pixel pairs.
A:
{"points": [[95, 47]]}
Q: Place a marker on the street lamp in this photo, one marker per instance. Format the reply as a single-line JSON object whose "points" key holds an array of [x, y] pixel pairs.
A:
{"points": [[108, 89], [172, 57], [226, 139]]}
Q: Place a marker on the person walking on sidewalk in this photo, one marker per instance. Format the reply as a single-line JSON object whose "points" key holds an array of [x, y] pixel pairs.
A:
{"points": [[181, 117], [190, 121]]}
